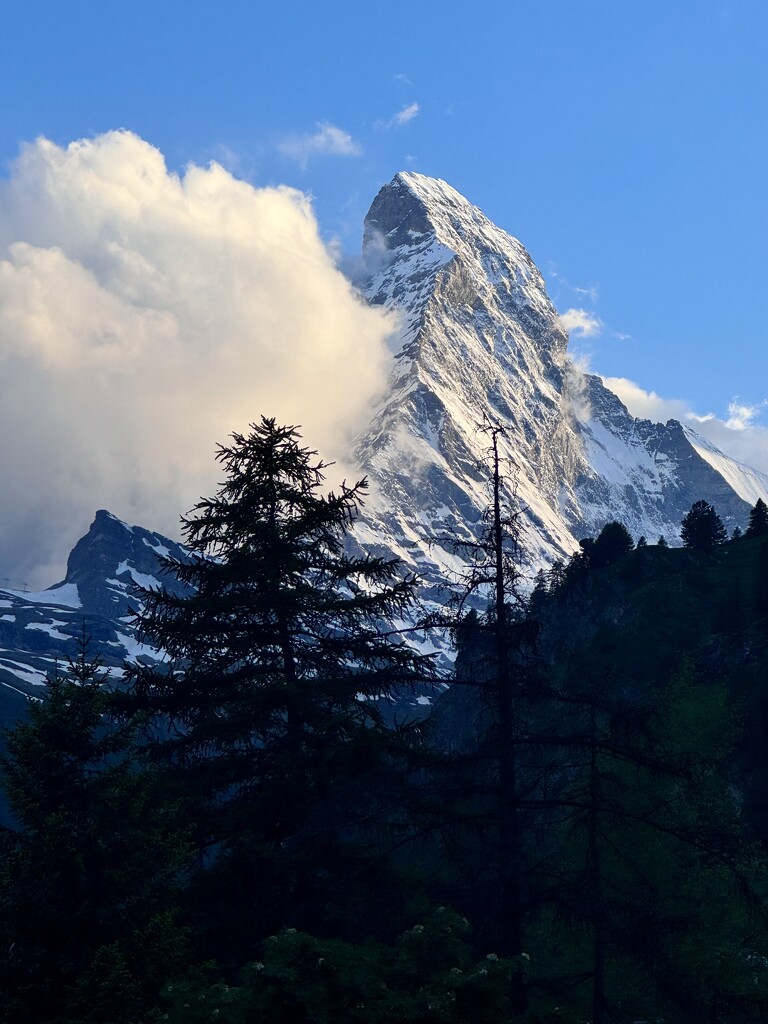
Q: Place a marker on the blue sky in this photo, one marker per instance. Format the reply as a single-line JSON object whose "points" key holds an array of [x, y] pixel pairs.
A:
{"points": [[624, 144]]}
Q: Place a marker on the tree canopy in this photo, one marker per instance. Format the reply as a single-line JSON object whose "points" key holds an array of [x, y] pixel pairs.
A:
{"points": [[702, 528], [613, 541]]}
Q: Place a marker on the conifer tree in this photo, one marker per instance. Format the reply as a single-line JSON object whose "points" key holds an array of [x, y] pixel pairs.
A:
{"points": [[758, 520], [277, 655], [702, 528], [613, 541], [88, 878]]}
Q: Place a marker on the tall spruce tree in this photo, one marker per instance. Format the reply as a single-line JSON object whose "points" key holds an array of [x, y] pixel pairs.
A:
{"points": [[702, 528], [266, 707], [758, 520]]}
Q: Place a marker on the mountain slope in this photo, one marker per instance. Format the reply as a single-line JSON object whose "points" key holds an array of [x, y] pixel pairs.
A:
{"points": [[480, 341], [37, 630]]}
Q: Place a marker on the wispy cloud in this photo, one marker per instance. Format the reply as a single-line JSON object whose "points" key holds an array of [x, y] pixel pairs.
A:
{"points": [[740, 416], [408, 113], [326, 140], [581, 323], [591, 293]]}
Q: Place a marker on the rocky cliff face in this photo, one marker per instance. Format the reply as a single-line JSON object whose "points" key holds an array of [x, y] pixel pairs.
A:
{"points": [[480, 342]]}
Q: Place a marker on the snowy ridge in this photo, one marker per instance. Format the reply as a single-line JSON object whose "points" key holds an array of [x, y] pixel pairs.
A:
{"points": [[749, 484], [38, 631], [481, 340]]}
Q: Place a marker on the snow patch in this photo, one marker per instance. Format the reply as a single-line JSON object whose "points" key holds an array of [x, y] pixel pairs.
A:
{"points": [[50, 629], [65, 596]]}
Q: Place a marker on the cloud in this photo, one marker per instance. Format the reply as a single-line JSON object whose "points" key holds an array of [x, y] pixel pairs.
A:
{"points": [[327, 140], [144, 316], [581, 323], [406, 114], [591, 293], [740, 416], [647, 405], [738, 435]]}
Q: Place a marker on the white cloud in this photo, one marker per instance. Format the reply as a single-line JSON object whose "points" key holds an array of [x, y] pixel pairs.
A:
{"points": [[327, 140], [406, 114], [738, 435], [740, 416], [581, 323], [647, 405], [143, 317]]}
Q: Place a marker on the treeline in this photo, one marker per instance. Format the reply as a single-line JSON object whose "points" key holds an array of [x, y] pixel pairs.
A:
{"points": [[245, 831]]}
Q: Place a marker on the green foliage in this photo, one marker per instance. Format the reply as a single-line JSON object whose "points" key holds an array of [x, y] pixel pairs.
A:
{"points": [[429, 975]]}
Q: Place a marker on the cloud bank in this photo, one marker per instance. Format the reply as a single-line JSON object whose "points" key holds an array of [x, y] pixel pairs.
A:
{"points": [[738, 436], [144, 316]]}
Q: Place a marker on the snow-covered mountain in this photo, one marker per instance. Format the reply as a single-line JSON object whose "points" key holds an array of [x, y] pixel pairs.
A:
{"points": [[38, 630], [479, 339]]}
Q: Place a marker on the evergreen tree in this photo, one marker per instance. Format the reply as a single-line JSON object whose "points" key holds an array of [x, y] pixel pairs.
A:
{"points": [[88, 879], [662, 542], [736, 533], [267, 707], [758, 520], [613, 541], [702, 528]]}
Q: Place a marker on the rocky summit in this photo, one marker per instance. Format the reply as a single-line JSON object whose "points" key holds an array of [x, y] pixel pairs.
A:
{"points": [[479, 342]]}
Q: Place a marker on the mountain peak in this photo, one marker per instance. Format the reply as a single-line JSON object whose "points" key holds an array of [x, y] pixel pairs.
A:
{"points": [[430, 191], [412, 206]]}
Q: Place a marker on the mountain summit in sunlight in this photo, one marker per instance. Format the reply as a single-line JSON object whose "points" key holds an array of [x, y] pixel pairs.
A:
{"points": [[481, 341], [478, 342]]}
